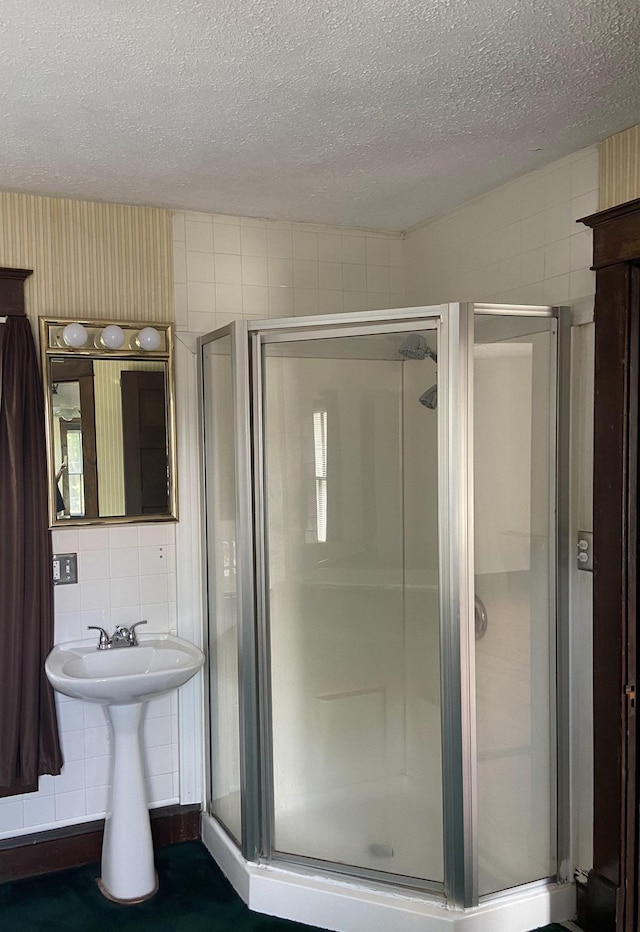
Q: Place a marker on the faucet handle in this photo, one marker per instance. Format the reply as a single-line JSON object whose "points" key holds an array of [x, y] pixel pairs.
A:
{"points": [[103, 640], [133, 637]]}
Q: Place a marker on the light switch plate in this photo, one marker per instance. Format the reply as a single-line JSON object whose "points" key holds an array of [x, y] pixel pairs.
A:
{"points": [[65, 569]]}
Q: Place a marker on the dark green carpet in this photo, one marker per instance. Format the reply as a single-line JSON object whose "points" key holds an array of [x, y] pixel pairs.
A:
{"points": [[552, 928], [194, 896]]}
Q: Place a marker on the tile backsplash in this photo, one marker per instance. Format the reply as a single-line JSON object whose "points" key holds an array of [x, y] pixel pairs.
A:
{"points": [[125, 574]]}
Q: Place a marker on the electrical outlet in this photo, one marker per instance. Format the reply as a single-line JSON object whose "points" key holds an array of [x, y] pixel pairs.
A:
{"points": [[65, 569], [585, 551]]}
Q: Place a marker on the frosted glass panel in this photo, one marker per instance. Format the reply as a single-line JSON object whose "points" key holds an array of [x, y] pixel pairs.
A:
{"points": [[221, 580], [351, 463], [514, 422]]}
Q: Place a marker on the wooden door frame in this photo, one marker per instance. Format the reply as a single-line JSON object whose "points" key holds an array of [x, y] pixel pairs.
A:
{"points": [[137, 436], [80, 370], [610, 901]]}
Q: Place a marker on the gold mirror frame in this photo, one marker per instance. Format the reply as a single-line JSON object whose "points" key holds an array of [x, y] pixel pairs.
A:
{"points": [[55, 351]]}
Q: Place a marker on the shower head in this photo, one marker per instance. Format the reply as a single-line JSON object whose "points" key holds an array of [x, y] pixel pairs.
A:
{"points": [[415, 347], [430, 398]]}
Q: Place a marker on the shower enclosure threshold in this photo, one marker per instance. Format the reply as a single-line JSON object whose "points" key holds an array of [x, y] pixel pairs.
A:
{"points": [[350, 906]]}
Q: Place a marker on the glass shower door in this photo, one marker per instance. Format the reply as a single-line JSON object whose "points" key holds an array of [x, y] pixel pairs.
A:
{"points": [[222, 583], [350, 444], [515, 522]]}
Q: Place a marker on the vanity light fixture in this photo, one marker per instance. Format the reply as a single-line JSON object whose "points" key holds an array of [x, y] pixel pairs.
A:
{"points": [[112, 337], [148, 339], [84, 336], [75, 335]]}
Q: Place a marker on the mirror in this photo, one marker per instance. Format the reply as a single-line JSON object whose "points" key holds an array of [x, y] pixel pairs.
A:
{"points": [[110, 421]]}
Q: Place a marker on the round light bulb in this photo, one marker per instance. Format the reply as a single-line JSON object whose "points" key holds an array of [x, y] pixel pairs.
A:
{"points": [[148, 339], [112, 337], [75, 335]]}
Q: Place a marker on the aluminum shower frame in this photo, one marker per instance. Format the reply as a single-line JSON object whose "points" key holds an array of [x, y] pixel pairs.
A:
{"points": [[455, 324], [264, 333]]}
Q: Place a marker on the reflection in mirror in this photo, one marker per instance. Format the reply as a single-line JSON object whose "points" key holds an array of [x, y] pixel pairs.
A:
{"points": [[110, 423]]}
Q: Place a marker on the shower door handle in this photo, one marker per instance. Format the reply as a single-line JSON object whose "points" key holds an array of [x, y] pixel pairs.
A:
{"points": [[481, 620]]}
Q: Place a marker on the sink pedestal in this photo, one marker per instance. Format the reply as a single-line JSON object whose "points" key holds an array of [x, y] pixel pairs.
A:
{"points": [[122, 681], [128, 871]]}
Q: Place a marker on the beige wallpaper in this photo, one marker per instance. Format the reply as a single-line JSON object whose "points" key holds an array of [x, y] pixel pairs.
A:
{"points": [[89, 259], [620, 168]]}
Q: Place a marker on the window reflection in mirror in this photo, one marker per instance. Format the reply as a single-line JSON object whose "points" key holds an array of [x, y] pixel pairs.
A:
{"points": [[111, 445]]}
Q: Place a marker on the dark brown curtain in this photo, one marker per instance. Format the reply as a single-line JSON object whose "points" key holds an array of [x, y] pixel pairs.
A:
{"points": [[29, 744]]}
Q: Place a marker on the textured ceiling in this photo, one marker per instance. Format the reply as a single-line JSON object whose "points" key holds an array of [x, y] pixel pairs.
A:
{"points": [[371, 113]]}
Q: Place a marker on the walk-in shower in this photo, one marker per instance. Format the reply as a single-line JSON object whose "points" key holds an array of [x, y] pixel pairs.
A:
{"points": [[360, 723]]}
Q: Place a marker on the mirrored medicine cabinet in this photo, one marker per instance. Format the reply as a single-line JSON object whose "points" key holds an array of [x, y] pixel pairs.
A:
{"points": [[110, 421]]}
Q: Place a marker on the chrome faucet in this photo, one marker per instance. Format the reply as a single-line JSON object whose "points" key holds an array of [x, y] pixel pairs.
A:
{"points": [[103, 641], [121, 637]]}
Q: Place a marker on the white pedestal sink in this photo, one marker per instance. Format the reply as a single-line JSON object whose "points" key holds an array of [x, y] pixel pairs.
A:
{"points": [[123, 679]]}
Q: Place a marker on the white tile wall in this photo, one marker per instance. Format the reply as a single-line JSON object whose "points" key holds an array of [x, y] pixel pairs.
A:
{"points": [[229, 267], [125, 574], [518, 244]]}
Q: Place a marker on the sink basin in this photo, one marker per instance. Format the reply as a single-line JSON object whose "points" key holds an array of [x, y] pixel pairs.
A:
{"points": [[122, 675]]}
